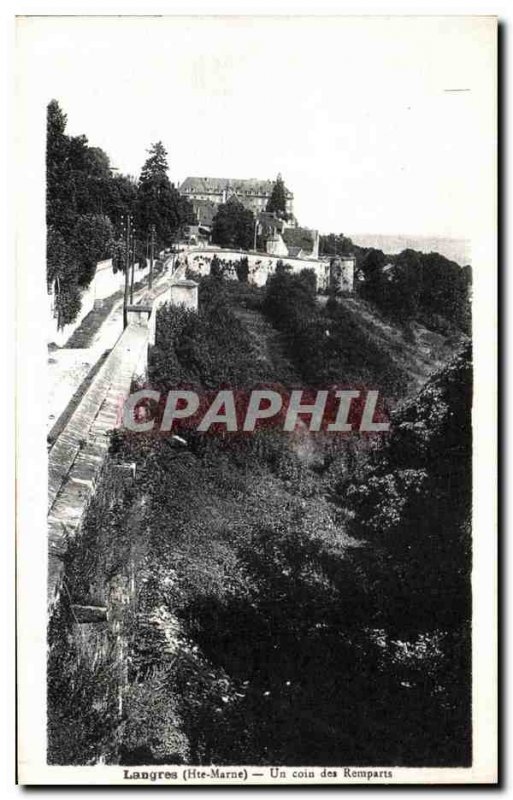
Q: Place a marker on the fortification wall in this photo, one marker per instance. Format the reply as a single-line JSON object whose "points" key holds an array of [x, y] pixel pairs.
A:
{"points": [[261, 265], [76, 459]]}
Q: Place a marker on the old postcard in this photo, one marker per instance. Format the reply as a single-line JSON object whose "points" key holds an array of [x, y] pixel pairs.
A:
{"points": [[256, 401]]}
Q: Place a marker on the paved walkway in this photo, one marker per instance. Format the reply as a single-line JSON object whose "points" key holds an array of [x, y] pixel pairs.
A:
{"points": [[69, 367], [76, 457]]}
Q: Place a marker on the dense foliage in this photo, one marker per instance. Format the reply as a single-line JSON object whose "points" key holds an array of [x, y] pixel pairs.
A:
{"points": [[277, 203], [83, 202], [301, 238], [412, 502], [242, 269], [159, 202], [207, 349], [334, 244], [233, 225], [327, 344], [297, 600], [414, 285], [87, 205], [409, 285]]}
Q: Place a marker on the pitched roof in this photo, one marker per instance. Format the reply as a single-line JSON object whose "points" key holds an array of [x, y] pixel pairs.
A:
{"points": [[270, 220], [241, 186], [302, 238]]}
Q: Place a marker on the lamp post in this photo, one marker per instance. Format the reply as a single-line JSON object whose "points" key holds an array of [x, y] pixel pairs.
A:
{"points": [[127, 266], [134, 242], [152, 254]]}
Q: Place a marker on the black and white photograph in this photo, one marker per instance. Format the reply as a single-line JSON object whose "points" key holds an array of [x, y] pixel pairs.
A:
{"points": [[257, 326]]}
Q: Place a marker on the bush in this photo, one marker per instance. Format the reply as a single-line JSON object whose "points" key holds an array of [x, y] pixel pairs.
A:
{"points": [[209, 348], [242, 269], [68, 302], [327, 345]]}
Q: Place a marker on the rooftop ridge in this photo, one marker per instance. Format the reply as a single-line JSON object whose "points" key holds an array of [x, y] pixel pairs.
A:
{"points": [[205, 183]]}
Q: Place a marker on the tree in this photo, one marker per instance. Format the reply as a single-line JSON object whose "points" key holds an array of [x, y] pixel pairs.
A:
{"points": [[158, 202], [121, 198], [93, 239], [335, 279], [62, 274], [56, 146], [334, 244], [289, 299], [242, 269], [233, 225], [60, 204], [68, 301], [370, 266], [309, 278], [57, 256], [83, 200], [119, 254], [277, 202], [404, 286], [56, 121], [413, 506], [156, 165], [446, 289], [216, 268], [414, 285], [281, 268]]}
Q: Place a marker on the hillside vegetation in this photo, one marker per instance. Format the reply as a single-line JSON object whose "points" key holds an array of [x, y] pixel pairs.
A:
{"points": [[289, 599]]}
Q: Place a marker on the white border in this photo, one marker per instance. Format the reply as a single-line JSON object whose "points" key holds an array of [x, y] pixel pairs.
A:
{"points": [[32, 618]]}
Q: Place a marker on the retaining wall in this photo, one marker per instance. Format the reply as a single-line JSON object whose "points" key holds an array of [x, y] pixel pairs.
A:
{"points": [[104, 284], [261, 265], [76, 459]]}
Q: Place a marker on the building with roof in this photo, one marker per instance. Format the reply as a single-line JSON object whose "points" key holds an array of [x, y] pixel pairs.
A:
{"points": [[251, 192], [277, 237], [301, 242]]}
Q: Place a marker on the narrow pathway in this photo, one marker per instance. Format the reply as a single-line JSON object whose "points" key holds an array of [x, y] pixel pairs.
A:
{"points": [[72, 368], [91, 325]]}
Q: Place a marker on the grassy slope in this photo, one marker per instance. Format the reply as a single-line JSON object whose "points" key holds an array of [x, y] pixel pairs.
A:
{"points": [[417, 351], [212, 680]]}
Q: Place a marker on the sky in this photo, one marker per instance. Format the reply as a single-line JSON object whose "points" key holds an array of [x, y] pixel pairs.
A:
{"points": [[360, 115]]}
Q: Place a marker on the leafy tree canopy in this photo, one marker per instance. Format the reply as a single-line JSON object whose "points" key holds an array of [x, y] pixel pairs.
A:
{"points": [[233, 225], [158, 201], [156, 165], [334, 244], [413, 285], [277, 202], [84, 204]]}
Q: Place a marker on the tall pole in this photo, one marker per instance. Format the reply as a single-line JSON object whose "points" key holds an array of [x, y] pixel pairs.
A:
{"points": [[152, 254], [134, 241], [127, 266], [255, 237]]}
